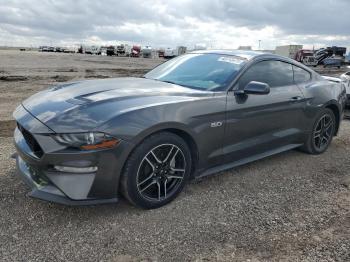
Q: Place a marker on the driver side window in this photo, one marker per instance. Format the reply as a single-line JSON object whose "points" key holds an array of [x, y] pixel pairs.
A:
{"points": [[274, 73]]}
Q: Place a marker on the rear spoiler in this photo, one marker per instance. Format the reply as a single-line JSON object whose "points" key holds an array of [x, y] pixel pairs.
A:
{"points": [[333, 79]]}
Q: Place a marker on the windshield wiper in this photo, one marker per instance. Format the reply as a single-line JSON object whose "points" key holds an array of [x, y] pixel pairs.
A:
{"points": [[174, 83], [170, 82]]}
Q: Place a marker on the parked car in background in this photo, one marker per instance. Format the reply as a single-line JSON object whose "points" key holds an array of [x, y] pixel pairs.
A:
{"points": [[87, 142], [43, 49], [332, 62], [347, 59], [346, 78]]}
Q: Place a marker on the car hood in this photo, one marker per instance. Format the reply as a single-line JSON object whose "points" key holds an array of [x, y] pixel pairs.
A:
{"points": [[85, 105]]}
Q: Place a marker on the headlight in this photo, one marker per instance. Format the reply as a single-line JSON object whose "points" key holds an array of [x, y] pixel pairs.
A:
{"points": [[87, 141]]}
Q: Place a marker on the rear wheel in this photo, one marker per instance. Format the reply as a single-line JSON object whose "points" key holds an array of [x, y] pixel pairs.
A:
{"points": [[322, 133], [156, 171]]}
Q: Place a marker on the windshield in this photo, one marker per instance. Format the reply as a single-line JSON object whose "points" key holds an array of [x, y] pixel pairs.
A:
{"points": [[199, 71]]}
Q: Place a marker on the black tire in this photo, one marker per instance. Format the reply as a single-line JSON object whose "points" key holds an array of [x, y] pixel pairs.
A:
{"points": [[314, 144], [142, 160]]}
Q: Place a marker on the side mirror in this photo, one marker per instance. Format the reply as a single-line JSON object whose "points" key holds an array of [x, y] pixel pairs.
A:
{"points": [[257, 88]]}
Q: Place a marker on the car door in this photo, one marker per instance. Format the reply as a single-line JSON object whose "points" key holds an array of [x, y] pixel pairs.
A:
{"points": [[263, 124]]}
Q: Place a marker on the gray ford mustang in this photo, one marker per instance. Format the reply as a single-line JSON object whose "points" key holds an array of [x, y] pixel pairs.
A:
{"points": [[89, 142]]}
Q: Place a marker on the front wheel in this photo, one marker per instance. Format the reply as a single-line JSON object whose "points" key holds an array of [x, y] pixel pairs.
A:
{"points": [[156, 171], [322, 133]]}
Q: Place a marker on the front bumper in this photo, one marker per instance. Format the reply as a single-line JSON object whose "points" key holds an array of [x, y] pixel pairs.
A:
{"points": [[47, 191], [38, 153]]}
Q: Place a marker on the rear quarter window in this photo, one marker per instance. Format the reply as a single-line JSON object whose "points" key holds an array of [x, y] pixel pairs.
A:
{"points": [[301, 75]]}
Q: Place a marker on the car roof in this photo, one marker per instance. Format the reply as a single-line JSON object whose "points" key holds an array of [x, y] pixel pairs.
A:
{"points": [[250, 55], [241, 53]]}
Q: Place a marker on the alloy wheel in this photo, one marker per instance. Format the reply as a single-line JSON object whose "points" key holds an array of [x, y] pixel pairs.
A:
{"points": [[161, 172], [323, 132]]}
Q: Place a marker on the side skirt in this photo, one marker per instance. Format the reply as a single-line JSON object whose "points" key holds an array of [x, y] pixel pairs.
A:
{"points": [[247, 160]]}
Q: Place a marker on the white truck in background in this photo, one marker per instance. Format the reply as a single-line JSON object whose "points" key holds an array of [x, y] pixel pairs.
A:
{"points": [[90, 49], [128, 49], [87, 49], [123, 50], [146, 51], [103, 50], [169, 53], [70, 49], [288, 50], [172, 52], [200, 47], [95, 50]]}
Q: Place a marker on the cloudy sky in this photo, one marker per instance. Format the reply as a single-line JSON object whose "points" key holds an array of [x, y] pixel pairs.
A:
{"points": [[161, 23]]}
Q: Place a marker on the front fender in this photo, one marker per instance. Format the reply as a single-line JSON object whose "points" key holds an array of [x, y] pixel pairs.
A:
{"points": [[191, 117], [135, 125]]}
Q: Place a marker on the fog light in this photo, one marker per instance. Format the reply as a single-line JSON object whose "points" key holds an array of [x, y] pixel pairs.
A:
{"points": [[80, 170]]}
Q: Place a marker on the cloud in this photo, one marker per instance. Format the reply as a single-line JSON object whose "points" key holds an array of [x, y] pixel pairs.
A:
{"points": [[218, 23]]}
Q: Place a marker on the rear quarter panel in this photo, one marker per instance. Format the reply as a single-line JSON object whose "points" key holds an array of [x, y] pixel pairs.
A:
{"points": [[319, 94]]}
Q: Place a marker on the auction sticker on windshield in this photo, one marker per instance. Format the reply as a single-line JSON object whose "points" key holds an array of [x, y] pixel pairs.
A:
{"points": [[231, 60]]}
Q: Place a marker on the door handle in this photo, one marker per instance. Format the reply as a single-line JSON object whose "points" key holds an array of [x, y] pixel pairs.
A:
{"points": [[296, 99]]}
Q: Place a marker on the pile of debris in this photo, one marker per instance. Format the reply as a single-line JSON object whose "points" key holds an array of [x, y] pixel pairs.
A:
{"points": [[329, 56]]}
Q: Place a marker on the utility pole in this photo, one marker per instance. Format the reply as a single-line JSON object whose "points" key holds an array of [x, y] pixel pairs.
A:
{"points": [[259, 44]]}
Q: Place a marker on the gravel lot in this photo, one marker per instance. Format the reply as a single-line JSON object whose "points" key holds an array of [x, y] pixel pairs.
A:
{"points": [[289, 207]]}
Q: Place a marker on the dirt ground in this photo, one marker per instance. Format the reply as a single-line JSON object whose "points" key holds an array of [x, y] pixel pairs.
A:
{"points": [[289, 207]]}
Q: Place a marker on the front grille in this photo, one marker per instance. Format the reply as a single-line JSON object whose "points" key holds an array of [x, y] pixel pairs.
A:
{"points": [[32, 143]]}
